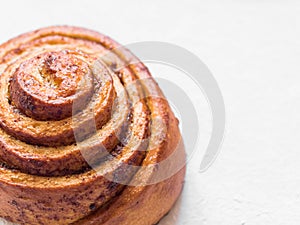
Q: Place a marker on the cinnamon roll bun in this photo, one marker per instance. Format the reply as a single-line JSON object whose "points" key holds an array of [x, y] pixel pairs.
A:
{"points": [[86, 135]]}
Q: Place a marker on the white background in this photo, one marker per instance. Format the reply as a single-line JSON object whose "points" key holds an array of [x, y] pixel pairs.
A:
{"points": [[253, 50]]}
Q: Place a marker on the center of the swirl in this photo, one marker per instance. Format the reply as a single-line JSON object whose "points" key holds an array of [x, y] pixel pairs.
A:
{"points": [[61, 74], [46, 86]]}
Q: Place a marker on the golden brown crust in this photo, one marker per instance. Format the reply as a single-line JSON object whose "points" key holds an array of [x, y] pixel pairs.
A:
{"points": [[44, 87], [48, 147]]}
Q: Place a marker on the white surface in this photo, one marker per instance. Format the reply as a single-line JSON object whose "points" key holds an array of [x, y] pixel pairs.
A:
{"points": [[253, 50]]}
